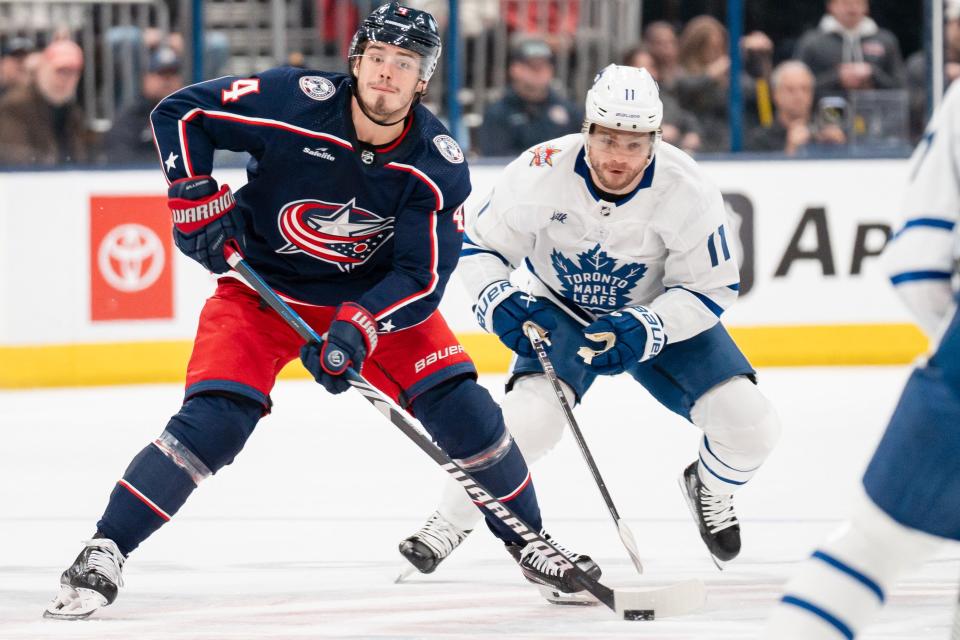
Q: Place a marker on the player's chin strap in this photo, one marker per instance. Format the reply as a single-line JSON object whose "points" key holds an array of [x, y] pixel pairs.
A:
{"points": [[630, 604], [363, 108]]}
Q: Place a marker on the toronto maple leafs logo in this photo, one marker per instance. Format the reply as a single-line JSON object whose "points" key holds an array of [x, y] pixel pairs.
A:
{"points": [[595, 282], [339, 233]]}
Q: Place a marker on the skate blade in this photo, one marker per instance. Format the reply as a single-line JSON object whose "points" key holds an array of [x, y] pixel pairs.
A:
{"points": [[578, 599], [74, 604], [405, 573]]}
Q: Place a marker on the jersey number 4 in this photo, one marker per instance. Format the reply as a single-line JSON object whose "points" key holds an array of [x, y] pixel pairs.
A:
{"points": [[240, 88], [458, 218]]}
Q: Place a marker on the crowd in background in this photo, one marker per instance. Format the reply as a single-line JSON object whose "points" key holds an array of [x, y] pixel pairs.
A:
{"points": [[809, 101]]}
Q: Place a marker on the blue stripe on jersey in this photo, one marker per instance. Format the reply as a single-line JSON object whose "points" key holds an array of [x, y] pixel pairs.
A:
{"points": [[929, 223], [850, 571], [717, 475], [714, 261], [829, 618], [472, 252], [707, 302], [485, 206], [734, 287], [913, 276], [723, 243]]}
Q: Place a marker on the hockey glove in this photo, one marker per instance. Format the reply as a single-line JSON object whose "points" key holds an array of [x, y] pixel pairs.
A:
{"points": [[351, 338], [621, 339], [503, 309], [204, 219]]}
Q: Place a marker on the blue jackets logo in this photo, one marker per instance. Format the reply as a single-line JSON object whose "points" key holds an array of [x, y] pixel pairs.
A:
{"points": [[342, 234], [594, 281]]}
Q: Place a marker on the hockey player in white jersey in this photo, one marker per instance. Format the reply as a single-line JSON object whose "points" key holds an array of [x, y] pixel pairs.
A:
{"points": [[912, 484], [630, 264]]}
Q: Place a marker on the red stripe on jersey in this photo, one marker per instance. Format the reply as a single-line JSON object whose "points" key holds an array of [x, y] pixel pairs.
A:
{"points": [[266, 122], [144, 499], [434, 275]]}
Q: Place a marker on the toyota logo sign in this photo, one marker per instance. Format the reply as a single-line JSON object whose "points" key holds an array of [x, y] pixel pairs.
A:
{"points": [[131, 257]]}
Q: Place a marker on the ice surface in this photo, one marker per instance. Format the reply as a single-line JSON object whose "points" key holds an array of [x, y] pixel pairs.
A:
{"points": [[297, 539]]}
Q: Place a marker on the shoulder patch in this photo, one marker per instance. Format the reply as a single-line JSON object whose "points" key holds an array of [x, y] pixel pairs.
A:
{"points": [[317, 87], [542, 156], [449, 148]]}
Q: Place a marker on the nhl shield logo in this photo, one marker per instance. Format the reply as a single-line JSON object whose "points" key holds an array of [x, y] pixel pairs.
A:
{"points": [[367, 156], [317, 87], [449, 149], [342, 234]]}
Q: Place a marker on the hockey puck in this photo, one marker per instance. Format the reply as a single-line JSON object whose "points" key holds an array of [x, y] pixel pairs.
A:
{"points": [[638, 614]]}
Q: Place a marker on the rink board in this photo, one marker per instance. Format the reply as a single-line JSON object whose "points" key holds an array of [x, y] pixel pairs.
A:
{"points": [[93, 292]]}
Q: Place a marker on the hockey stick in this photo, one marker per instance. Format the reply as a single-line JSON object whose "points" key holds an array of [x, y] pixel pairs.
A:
{"points": [[629, 604], [537, 337]]}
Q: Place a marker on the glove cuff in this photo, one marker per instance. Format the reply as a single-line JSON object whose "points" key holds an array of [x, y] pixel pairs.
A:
{"points": [[656, 338], [362, 320], [489, 299], [190, 215]]}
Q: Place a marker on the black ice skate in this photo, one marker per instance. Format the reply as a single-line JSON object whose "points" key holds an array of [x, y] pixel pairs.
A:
{"points": [[714, 515], [556, 585], [90, 582], [429, 546]]}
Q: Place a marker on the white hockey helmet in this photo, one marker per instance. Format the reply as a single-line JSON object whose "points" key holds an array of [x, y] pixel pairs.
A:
{"points": [[625, 99]]}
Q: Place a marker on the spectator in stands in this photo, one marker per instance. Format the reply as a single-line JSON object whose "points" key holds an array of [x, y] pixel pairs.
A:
{"points": [[41, 124], [703, 86], [531, 111], [660, 40], [14, 71], [848, 51], [679, 127], [793, 129], [917, 69], [130, 140]]}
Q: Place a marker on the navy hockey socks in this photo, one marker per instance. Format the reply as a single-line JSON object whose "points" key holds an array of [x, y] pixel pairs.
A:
{"points": [[468, 425]]}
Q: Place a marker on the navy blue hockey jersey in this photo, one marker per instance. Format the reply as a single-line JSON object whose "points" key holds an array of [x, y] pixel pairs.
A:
{"points": [[329, 218]]}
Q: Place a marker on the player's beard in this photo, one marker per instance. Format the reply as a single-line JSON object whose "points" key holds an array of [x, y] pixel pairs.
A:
{"points": [[613, 182], [381, 112]]}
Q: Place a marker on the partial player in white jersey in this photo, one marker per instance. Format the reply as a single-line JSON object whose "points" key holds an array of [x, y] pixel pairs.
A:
{"points": [[630, 264], [912, 484]]}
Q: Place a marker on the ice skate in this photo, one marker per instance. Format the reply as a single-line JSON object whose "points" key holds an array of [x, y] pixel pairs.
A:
{"points": [[556, 585], [429, 546], [91, 582], [714, 515]]}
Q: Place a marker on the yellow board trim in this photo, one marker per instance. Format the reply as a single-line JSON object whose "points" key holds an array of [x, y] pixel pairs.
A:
{"points": [[166, 361]]}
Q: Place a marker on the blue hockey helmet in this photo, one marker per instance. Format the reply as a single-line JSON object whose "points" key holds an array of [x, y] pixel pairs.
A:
{"points": [[404, 27]]}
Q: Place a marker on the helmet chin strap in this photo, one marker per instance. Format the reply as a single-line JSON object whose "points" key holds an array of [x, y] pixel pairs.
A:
{"points": [[363, 108]]}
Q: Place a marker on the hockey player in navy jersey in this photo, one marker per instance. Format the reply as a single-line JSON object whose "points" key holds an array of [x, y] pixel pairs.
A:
{"points": [[353, 213], [912, 484], [625, 245]]}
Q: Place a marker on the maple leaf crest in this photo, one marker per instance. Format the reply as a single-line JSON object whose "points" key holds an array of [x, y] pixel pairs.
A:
{"points": [[594, 280]]}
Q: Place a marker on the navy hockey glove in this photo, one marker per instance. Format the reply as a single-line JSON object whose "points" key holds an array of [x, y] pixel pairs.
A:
{"points": [[204, 219], [621, 339], [351, 338], [503, 309]]}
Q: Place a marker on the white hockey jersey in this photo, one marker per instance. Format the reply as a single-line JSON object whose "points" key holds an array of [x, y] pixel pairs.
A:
{"points": [[665, 246], [921, 257]]}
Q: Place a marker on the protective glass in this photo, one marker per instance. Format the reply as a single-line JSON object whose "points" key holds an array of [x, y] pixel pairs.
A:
{"points": [[622, 144]]}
